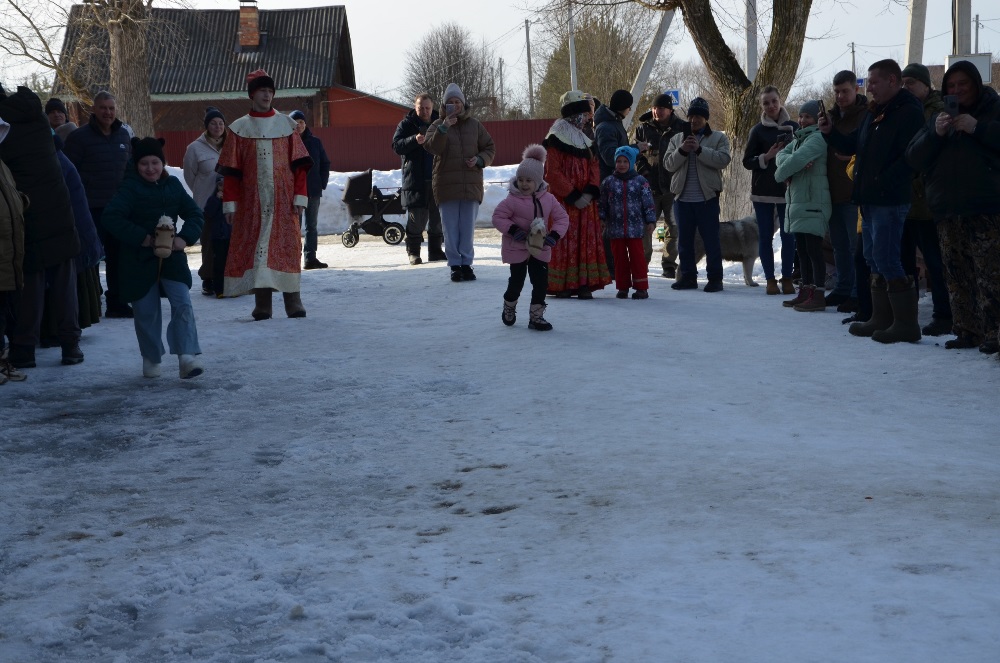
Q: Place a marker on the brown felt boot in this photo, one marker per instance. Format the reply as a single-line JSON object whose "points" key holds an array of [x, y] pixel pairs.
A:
{"points": [[904, 328], [293, 305], [787, 286], [881, 310], [262, 304], [772, 287], [805, 291]]}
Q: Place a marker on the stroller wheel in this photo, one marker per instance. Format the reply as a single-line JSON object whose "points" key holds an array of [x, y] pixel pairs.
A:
{"points": [[393, 233], [349, 239]]}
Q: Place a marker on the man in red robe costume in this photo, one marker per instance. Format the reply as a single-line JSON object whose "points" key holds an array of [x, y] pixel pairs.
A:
{"points": [[264, 163]]}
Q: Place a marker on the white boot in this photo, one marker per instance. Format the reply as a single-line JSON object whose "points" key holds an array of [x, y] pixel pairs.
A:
{"points": [[190, 366], [150, 368], [509, 314], [536, 321]]}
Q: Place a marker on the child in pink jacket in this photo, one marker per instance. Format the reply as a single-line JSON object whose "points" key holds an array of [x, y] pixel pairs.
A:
{"points": [[532, 221]]}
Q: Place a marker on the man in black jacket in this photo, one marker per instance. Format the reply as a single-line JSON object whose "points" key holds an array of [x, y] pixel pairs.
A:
{"points": [[417, 196], [316, 181], [100, 150], [655, 129], [883, 187]]}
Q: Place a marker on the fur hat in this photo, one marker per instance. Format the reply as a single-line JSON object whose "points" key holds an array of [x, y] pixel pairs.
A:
{"points": [[257, 79], [620, 100], [533, 164], [574, 102], [148, 147], [664, 101], [629, 153], [698, 107], [810, 108], [211, 113], [453, 91], [919, 72], [55, 104]]}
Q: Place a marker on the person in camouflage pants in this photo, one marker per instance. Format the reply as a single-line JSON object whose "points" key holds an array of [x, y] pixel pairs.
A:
{"points": [[970, 247]]}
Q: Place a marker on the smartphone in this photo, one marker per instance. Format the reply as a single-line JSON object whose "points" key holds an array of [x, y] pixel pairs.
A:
{"points": [[451, 109], [950, 104], [784, 136], [822, 108]]}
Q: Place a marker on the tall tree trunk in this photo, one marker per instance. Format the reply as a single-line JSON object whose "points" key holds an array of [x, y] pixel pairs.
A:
{"points": [[740, 94], [130, 64]]}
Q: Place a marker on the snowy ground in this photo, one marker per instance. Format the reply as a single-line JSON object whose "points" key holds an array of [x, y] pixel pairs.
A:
{"points": [[399, 477]]}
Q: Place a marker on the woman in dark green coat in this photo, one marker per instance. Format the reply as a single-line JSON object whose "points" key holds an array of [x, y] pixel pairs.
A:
{"points": [[149, 197]]}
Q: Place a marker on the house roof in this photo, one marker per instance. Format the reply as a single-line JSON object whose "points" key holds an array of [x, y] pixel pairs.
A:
{"points": [[192, 51]]}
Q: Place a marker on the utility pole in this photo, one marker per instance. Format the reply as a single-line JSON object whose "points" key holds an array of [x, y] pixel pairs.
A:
{"points": [[854, 67], [501, 85], [751, 39], [531, 87], [915, 31], [572, 50], [647, 63], [961, 27], [977, 33]]}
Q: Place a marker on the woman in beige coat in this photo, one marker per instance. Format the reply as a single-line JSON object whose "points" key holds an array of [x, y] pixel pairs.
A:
{"points": [[462, 148]]}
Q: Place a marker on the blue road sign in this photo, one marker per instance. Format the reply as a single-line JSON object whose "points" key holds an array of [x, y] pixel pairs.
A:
{"points": [[861, 83], [676, 94]]}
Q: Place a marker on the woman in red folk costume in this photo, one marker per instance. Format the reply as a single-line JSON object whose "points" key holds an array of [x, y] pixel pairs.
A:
{"points": [[578, 265], [264, 163]]}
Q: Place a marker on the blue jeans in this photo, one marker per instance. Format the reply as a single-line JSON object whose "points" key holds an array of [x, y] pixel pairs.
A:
{"points": [[458, 220], [182, 336], [882, 234], [703, 218], [843, 233], [765, 233], [311, 216]]}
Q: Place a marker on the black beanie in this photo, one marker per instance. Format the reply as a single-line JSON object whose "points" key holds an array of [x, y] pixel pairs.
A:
{"points": [[620, 100], [698, 107], [55, 104], [664, 101], [211, 113], [147, 147]]}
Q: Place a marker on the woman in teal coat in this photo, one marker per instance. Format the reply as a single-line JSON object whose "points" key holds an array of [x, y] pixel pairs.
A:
{"points": [[802, 165], [149, 197]]}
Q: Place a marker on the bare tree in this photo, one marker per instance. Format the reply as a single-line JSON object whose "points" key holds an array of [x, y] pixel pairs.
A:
{"points": [[611, 41], [111, 32], [448, 54]]}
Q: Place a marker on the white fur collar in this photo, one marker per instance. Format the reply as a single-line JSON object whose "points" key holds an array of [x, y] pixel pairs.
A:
{"points": [[570, 135], [783, 117]]}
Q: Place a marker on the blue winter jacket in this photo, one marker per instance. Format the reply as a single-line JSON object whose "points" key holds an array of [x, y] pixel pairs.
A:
{"points": [[319, 174], [91, 249], [626, 205]]}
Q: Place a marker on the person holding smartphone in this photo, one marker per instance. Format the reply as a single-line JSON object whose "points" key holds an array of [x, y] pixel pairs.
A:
{"points": [[462, 148], [766, 139], [958, 154]]}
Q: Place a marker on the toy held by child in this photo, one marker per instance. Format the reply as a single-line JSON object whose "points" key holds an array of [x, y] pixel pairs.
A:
{"points": [[134, 217], [532, 221], [626, 207]]}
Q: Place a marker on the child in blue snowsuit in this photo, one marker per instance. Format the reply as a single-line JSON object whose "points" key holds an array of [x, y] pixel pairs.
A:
{"points": [[626, 206]]}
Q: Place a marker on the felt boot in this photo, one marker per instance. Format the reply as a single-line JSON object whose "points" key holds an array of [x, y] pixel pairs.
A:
{"points": [[881, 310], [190, 367], [787, 286], [509, 314], [772, 287], [536, 321], [293, 305], [904, 327], [262, 304], [805, 291]]}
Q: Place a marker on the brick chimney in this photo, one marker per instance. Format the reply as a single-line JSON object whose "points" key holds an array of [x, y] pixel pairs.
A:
{"points": [[249, 24]]}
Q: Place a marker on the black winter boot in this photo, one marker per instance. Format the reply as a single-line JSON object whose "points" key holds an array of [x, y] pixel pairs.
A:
{"points": [[413, 249], [434, 251], [536, 321], [71, 354], [881, 310], [21, 356]]}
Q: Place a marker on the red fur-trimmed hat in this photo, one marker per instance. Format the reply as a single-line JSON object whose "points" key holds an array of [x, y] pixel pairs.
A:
{"points": [[258, 79]]}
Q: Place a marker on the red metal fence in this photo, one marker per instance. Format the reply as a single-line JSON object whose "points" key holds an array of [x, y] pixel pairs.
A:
{"points": [[359, 148]]}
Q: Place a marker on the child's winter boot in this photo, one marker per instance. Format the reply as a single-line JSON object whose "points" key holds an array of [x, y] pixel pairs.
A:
{"points": [[536, 321], [509, 314]]}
